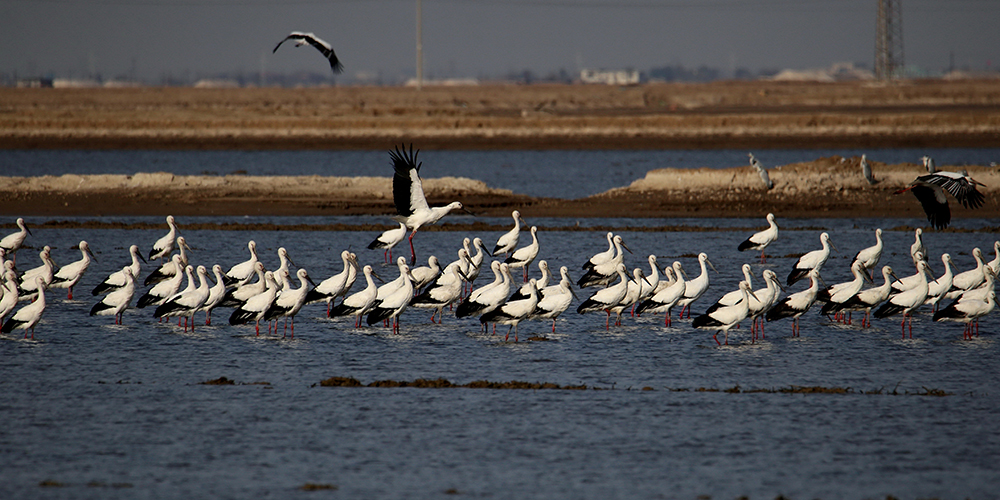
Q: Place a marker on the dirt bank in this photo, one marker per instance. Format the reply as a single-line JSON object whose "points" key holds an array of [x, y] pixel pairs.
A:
{"points": [[826, 187]]}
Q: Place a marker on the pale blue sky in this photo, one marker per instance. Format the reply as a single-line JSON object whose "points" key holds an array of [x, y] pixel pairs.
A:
{"points": [[479, 37]]}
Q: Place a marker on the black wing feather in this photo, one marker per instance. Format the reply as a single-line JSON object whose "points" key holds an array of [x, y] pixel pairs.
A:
{"points": [[938, 214], [402, 163]]}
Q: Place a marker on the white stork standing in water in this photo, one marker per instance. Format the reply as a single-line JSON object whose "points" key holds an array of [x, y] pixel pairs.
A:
{"points": [[13, 241], [321, 45], [760, 240], [389, 239], [408, 195], [508, 241], [930, 192], [165, 244]]}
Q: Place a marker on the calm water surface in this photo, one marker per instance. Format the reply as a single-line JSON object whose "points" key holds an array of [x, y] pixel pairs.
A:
{"points": [[118, 412]]}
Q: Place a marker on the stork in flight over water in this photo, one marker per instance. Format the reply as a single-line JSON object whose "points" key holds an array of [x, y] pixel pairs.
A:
{"points": [[408, 195], [321, 45], [930, 192]]}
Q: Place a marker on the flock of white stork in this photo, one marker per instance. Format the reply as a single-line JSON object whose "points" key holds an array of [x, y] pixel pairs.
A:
{"points": [[256, 294]]}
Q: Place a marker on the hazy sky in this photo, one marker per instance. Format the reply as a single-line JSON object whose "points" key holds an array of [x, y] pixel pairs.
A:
{"points": [[479, 37]]}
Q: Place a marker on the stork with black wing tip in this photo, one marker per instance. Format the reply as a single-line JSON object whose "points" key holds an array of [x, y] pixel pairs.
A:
{"points": [[930, 192], [321, 45], [408, 195]]}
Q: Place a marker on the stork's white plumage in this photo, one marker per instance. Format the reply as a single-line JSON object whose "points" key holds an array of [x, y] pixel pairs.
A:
{"points": [[255, 307], [508, 241], [918, 251], [166, 270], [870, 256], [513, 312], [604, 256], [444, 291], [424, 275], [321, 45], [606, 298], [290, 300], [524, 256], [163, 246], [632, 290], [28, 316], [762, 300], [282, 273], [10, 290], [929, 164], [906, 302], [695, 288], [46, 271], [796, 304], [867, 299], [734, 296], [476, 259], [13, 241], [236, 297], [389, 239], [835, 296], [938, 288], [967, 311], [665, 299], [240, 273], [359, 303], [553, 300], [115, 302], [337, 285], [967, 280], [601, 271], [393, 304], [69, 275], [117, 279], [930, 192], [188, 302], [408, 195], [164, 289], [215, 294], [725, 318], [760, 240], [812, 260], [488, 297]]}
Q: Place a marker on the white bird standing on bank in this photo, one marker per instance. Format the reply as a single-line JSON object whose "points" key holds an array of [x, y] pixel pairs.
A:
{"points": [[321, 45], [812, 260], [13, 241], [866, 171], [117, 279], [69, 275], [760, 240], [165, 244], [508, 241], [762, 171], [28, 316], [930, 192], [389, 239], [929, 164], [408, 195]]}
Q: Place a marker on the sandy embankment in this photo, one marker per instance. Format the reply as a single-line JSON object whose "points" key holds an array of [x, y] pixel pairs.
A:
{"points": [[826, 187]]}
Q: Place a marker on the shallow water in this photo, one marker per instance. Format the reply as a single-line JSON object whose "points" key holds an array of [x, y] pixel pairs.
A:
{"points": [[118, 412], [564, 174]]}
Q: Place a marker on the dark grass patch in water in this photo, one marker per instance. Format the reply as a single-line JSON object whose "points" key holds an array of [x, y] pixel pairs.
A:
{"points": [[441, 383], [317, 487], [229, 381]]}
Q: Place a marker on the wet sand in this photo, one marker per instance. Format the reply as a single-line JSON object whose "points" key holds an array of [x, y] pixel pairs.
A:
{"points": [[752, 115]]}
